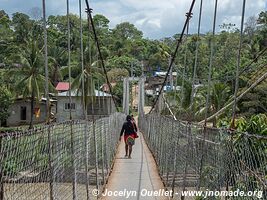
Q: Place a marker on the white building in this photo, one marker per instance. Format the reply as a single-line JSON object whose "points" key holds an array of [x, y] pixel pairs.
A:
{"points": [[101, 105]]}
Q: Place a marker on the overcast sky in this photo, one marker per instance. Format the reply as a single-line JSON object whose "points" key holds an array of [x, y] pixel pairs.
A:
{"points": [[156, 18]]}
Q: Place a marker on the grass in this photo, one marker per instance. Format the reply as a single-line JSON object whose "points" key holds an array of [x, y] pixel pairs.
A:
{"points": [[19, 128]]}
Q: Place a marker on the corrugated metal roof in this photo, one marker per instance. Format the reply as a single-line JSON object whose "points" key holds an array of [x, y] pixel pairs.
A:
{"points": [[164, 73], [74, 94], [63, 86]]}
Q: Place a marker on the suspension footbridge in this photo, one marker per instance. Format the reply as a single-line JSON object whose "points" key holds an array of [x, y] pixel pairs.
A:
{"points": [[82, 159]]}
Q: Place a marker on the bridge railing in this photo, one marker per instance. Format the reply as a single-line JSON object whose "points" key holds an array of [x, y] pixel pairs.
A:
{"points": [[191, 157], [58, 161]]}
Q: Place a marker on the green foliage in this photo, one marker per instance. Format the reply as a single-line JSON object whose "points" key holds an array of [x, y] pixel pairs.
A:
{"points": [[117, 74], [5, 101], [125, 31], [118, 92], [256, 124], [125, 48], [10, 167]]}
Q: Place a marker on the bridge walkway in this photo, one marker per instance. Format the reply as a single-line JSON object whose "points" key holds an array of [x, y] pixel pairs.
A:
{"points": [[138, 176]]}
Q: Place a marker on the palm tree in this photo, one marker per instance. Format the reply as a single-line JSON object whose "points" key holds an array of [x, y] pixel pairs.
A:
{"points": [[56, 57], [219, 96], [31, 81], [183, 109], [91, 73]]}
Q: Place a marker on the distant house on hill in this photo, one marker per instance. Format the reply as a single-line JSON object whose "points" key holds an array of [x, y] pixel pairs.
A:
{"points": [[105, 87], [101, 106], [62, 86]]}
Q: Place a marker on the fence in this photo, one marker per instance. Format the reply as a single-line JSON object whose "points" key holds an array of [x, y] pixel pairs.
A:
{"points": [[58, 161], [193, 158]]}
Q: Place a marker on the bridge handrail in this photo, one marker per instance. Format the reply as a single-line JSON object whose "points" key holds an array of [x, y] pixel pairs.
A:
{"points": [[59, 160], [190, 156]]}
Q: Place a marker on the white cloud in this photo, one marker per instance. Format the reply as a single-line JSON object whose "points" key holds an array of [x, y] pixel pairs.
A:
{"points": [[156, 18]]}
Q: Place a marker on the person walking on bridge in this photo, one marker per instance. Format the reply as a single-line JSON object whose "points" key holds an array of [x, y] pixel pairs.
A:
{"points": [[129, 131]]}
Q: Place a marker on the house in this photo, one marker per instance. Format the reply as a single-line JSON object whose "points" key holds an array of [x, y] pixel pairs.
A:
{"points": [[62, 86], [20, 112], [101, 106], [105, 87]]}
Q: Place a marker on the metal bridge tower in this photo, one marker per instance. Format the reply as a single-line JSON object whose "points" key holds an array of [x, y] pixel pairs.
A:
{"points": [[141, 94]]}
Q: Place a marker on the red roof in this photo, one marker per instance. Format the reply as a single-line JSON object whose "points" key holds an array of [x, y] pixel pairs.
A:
{"points": [[62, 86]]}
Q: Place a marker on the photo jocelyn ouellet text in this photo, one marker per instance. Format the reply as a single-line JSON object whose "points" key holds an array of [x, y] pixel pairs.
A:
{"points": [[168, 193]]}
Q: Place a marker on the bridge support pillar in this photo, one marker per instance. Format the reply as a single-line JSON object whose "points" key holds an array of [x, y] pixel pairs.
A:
{"points": [[141, 96], [126, 96]]}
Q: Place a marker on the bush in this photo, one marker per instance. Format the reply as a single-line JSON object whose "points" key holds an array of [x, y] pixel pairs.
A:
{"points": [[5, 102], [256, 124]]}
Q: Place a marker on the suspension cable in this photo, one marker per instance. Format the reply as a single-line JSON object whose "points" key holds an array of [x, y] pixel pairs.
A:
{"points": [[211, 61], [46, 64], [196, 57], [246, 67], [174, 54], [68, 24], [240, 96], [82, 62], [184, 70], [99, 52], [238, 64], [249, 66]]}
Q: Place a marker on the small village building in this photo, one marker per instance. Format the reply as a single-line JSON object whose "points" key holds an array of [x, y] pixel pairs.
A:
{"points": [[20, 112], [101, 105]]}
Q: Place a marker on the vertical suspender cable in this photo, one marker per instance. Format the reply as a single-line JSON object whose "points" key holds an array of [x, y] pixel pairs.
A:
{"points": [[174, 54], [88, 11], [84, 96], [68, 21], [47, 103], [211, 61], [100, 54], [98, 97], [70, 103], [82, 61], [238, 64], [196, 58], [203, 147], [175, 82], [46, 63], [183, 78], [185, 60]]}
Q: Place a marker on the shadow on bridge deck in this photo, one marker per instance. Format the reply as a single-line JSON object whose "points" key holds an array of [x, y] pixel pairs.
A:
{"points": [[136, 176]]}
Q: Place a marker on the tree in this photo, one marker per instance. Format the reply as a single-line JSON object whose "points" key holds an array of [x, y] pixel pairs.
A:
{"points": [[30, 79], [126, 31], [56, 58], [117, 74], [255, 101], [6, 35], [262, 21], [5, 101], [23, 27], [120, 62], [118, 92], [87, 75]]}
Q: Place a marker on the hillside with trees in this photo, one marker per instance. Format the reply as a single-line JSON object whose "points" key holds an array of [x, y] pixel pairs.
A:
{"points": [[124, 48]]}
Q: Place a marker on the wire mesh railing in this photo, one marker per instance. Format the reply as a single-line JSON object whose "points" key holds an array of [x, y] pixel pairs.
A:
{"points": [[58, 161], [193, 158]]}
